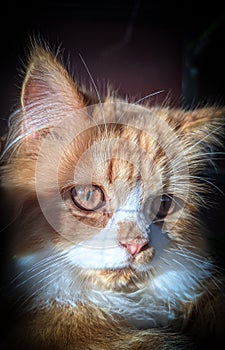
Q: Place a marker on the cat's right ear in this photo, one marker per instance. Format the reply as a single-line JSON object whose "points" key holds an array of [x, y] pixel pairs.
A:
{"points": [[48, 95], [48, 82]]}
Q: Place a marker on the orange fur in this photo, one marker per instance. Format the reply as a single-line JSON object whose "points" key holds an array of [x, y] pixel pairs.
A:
{"points": [[131, 153]]}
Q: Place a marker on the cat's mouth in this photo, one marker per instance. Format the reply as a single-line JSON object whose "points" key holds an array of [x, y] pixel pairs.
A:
{"points": [[142, 259], [125, 278]]}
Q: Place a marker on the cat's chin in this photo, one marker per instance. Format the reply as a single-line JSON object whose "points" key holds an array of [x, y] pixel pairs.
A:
{"points": [[129, 278], [142, 261]]}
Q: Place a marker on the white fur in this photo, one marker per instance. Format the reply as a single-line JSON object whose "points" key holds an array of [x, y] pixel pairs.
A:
{"points": [[129, 210], [177, 273], [178, 276], [102, 250]]}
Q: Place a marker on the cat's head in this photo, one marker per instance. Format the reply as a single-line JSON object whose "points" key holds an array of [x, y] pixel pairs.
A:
{"points": [[112, 187]]}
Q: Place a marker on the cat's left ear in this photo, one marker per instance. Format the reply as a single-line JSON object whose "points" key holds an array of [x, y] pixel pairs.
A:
{"points": [[205, 125], [199, 118]]}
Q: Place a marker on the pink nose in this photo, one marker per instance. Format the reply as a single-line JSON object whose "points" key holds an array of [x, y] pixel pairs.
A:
{"points": [[134, 248]]}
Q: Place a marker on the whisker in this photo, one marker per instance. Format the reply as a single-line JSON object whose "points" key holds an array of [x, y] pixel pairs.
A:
{"points": [[206, 136], [206, 154], [208, 182], [44, 262], [147, 96], [48, 277], [155, 221], [100, 102], [30, 296], [46, 268], [136, 103]]}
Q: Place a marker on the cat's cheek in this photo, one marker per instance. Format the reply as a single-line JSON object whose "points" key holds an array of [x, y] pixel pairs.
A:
{"points": [[101, 251]]}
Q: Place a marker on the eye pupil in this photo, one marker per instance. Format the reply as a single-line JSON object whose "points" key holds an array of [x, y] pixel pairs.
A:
{"points": [[88, 195], [163, 206], [165, 203]]}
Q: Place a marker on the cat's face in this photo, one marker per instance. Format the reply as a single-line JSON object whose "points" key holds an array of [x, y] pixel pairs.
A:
{"points": [[112, 198], [110, 187]]}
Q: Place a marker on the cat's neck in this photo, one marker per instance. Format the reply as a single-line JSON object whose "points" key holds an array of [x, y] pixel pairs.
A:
{"points": [[154, 304]]}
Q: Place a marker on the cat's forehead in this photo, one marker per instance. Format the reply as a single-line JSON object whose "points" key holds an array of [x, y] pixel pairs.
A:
{"points": [[120, 112], [112, 144], [120, 160]]}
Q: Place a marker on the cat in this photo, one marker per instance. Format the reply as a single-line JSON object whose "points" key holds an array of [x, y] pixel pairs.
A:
{"points": [[106, 248]]}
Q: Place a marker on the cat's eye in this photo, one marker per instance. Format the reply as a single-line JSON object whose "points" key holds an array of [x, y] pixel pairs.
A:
{"points": [[87, 197], [164, 205]]}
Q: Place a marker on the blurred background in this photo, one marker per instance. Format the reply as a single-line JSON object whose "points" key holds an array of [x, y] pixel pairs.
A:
{"points": [[139, 47]]}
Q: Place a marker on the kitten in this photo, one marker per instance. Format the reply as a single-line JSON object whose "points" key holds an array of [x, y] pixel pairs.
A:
{"points": [[106, 249]]}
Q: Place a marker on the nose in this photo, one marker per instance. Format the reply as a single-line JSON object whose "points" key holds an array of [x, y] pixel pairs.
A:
{"points": [[134, 248]]}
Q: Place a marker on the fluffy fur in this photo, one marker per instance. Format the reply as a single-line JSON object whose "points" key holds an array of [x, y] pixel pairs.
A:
{"points": [[121, 275]]}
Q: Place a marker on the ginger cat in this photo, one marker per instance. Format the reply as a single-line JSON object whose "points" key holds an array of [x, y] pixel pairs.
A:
{"points": [[106, 249]]}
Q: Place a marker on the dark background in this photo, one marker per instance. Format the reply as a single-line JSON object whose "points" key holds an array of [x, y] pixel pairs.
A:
{"points": [[140, 47]]}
